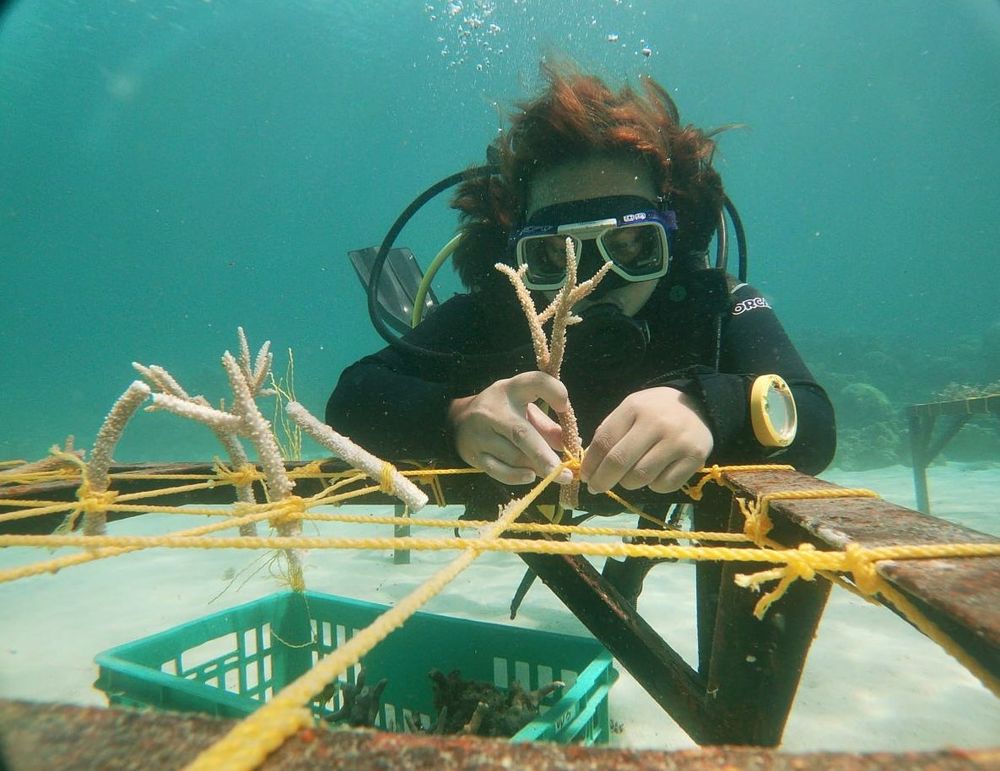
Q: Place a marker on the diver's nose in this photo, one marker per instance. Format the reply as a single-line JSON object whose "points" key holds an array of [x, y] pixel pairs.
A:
{"points": [[590, 261]]}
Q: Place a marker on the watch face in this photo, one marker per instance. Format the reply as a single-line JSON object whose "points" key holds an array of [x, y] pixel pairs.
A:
{"points": [[772, 411], [780, 412]]}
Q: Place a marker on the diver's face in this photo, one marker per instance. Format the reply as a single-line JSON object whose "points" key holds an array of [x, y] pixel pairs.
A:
{"points": [[596, 177]]}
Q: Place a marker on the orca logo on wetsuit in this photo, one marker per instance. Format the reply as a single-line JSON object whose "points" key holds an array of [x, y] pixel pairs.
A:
{"points": [[749, 304]]}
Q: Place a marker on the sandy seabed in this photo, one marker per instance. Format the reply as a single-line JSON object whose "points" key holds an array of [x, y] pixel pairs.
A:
{"points": [[871, 682]]}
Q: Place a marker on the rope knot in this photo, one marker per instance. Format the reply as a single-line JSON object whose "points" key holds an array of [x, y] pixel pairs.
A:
{"points": [[862, 569], [798, 566], [385, 482], [311, 469], [244, 476], [712, 474], [289, 509], [757, 524], [95, 503]]}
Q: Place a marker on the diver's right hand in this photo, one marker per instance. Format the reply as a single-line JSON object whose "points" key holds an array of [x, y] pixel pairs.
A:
{"points": [[501, 431]]}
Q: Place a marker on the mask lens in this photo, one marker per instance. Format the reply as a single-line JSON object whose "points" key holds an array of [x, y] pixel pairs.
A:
{"points": [[545, 257], [635, 249]]}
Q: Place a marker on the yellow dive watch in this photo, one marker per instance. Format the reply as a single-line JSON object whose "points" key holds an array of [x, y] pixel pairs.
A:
{"points": [[772, 411]]}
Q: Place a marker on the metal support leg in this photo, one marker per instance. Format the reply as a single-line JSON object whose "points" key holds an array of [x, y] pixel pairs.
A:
{"points": [[748, 669], [920, 438], [400, 556]]}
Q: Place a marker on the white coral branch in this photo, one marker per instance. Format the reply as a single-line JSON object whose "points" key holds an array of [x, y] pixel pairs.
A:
{"points": [[217, 420], [358, 457], [549, 352], [111, 431], [258, 430]]}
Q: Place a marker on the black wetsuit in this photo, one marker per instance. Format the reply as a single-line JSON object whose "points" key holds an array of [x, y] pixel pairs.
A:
{"points": [[395, 404]]}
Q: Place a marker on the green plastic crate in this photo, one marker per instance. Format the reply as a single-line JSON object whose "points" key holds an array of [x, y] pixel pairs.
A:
{"points": [[229, 663]]}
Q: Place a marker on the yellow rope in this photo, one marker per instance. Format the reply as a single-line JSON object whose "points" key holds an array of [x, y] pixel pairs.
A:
{"points": [[528, 527], [860, 563], [758, 525], [846, 561], [714, 474], [311, 470], [385, 480], [26, 477], [55, 565]]}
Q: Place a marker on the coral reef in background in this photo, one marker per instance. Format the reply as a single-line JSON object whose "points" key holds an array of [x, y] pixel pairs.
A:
{"points": [[872, 380]]}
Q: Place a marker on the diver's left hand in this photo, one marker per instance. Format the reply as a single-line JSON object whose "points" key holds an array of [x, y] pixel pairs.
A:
{"points": [[655, 438]]}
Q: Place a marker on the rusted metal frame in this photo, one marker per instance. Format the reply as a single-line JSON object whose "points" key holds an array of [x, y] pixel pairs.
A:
{"points": [[660, 670], [960, 595], [921, 428], [935, 445], [924, 448], [457, 489], [974, 405], [748, 670], [400, 556], [921, 424], [116, 739], [754, 665]]}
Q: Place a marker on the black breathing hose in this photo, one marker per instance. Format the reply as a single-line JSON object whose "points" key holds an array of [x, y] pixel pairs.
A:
{"points": [[383, 253]]}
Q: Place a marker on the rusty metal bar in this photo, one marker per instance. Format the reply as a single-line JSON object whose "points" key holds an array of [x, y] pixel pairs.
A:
{"points": [[748, 670], [754, 666], [974, 405], [924, 447], [400, 556], [62, 736], [961, 595], [921, 429]]}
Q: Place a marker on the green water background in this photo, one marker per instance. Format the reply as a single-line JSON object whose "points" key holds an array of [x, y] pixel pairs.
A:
{"points": [[172, 171]]}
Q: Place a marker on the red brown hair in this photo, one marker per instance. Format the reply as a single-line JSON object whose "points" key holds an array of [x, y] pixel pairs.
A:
{"points": [[578, 116]]}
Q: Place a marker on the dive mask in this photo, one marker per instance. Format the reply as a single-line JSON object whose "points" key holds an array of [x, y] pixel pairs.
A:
{"points": [[627, 231]]}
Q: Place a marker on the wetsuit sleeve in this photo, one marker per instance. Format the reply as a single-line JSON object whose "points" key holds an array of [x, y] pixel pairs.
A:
{"points": [[395, 404], [754, 343]]}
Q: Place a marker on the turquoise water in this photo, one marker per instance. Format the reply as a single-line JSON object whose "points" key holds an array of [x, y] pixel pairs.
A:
{"points": [[172, 171]]}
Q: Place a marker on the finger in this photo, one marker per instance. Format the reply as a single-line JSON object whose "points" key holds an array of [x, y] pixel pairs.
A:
{"points": [[676, 474], [550, 430], [650, 466], [504, 472], [537, 453], [611, 431], [620, 460], [532, 386], [498, 449]]}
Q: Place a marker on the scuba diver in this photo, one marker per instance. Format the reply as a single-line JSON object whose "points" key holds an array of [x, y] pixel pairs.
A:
{"points": [[662, 369], [673, 365]]}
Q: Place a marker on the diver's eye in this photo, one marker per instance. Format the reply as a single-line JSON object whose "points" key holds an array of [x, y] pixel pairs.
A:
{"points": [[554, 251], [625, 245]]}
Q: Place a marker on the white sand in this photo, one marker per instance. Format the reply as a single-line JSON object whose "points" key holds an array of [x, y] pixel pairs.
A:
{"points": [[871, 682]]}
